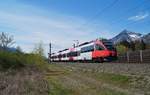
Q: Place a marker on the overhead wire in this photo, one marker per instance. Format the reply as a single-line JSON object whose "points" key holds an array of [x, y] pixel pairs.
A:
{"points": [[99, 13], [110, 6]]}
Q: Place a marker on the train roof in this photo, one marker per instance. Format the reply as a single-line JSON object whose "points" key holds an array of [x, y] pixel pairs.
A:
{"points": [[104, 41], [84, 43], [63, 50]]}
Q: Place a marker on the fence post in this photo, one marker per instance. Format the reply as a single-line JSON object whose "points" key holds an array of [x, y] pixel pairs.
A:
{"points": [[141, 56], [128, 57]]}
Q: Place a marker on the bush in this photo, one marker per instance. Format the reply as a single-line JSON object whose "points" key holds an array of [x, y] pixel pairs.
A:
{"points": [[39, 49], [35, 60], [121, 49], [15, 60], [10, 60]]}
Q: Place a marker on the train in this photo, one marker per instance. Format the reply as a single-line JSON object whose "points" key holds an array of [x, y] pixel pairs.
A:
{"points": [[98, 50]]}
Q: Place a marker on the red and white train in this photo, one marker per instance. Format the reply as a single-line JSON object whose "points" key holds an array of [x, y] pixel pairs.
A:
{"points": [[96, 51]]}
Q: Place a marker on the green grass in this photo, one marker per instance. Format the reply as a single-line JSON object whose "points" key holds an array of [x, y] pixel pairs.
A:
{"points": [[56, 88], [116, 79], [110, 92], [56, 68]]}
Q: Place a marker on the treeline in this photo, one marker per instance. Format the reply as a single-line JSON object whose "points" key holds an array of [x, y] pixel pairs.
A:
{"points": [[125, 46]]}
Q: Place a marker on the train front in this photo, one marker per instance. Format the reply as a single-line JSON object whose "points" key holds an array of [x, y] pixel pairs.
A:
{"points": [[104, 51], [112, 52]]}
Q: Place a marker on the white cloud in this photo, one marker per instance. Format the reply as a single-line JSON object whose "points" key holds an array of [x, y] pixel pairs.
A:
{"points": [[35, 29], [139, 17], [60, 30]]}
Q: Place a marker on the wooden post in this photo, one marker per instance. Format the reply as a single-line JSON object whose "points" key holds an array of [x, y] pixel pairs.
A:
{"points": [[128, 59], [141, 56]]}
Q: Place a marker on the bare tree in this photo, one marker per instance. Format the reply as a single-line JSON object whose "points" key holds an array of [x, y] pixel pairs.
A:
{"points": [[39, 49], [6, 40], [18, 49]]}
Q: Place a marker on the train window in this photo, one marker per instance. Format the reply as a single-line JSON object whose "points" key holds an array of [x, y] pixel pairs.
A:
{"points": [[98, 47], [72, 54], [87, 49], [109, 45], [59, 56], [54, 57], [64, 55]]}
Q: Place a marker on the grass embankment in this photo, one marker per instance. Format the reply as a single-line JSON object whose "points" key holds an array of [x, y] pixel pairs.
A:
{"points": [[59, 88], [77, 83], [114, 79], [22, 74], [70, 80]]}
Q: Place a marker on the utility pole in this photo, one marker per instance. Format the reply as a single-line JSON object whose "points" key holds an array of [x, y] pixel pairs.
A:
{"points": [[50, 48], [74, 45], [76, 42]]}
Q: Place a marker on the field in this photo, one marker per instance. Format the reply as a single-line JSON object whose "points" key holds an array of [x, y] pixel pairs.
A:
{"points": [[77, 79], [98, 79], [26, 81]]}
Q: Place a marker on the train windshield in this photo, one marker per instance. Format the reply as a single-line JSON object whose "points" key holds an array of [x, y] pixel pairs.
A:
{"points": [[110, 47], [98, 47]]}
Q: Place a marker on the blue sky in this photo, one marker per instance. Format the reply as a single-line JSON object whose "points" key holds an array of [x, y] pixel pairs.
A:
{"points": [[62, 21]]}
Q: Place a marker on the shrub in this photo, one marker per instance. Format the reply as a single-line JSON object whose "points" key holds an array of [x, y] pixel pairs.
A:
{"points": [[121, 49], [35, 60], [10, 60], [39, 49], [15, 60]]}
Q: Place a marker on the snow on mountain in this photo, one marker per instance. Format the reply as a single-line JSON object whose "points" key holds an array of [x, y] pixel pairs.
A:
{"points": [[146, 38], [126, 35]]}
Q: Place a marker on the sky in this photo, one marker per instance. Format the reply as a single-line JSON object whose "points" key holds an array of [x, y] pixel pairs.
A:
{"points": [[61, 22]]}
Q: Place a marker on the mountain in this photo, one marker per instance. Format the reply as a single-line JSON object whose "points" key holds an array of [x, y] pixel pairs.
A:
{"points": [[10, 49], [128, 36], [146, 38]]}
